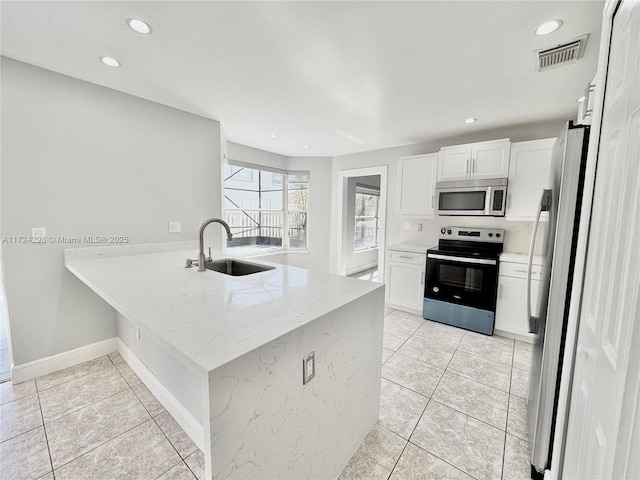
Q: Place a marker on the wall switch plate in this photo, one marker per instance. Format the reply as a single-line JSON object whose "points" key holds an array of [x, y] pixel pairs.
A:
{"points": [[419, 227], [38, 232], [308, 368], [175, 227]]}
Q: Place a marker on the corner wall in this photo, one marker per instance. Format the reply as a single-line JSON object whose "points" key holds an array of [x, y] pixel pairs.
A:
{"points": [[84, 160]]}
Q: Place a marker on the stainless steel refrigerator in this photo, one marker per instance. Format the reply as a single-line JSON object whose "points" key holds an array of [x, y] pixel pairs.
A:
{"points": [[563, 201]]}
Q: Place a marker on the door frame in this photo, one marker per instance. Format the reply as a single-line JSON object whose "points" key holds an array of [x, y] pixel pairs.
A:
{"points": [[566, 382], [343, 178]]}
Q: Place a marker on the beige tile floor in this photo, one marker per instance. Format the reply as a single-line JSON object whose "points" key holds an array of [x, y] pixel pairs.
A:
{"points": [[452, 406]]}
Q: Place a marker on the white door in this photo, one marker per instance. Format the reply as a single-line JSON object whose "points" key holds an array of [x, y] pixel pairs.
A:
{"points": [[599, 433], [416, 185], [454, 163], [529, 168], [405, 285], [490, 160]]}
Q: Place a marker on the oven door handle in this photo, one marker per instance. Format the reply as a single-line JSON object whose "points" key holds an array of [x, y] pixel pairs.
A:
{"points": [[480, 261]]}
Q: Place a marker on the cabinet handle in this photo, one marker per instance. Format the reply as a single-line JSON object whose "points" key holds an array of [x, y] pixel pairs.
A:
{"points": [[405, 256], [422, 278], [474, 165], [499, 291], [466, 170], [533, 272], [508, 200], [432, 200]]}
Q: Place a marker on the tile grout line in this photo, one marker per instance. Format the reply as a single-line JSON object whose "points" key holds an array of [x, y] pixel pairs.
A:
{"points": [[506, 427], [153, 418], [71, 379], [44, 430], [420, 418], [423, 410]]}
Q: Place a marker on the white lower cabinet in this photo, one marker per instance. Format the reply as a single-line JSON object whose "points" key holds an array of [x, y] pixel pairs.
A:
{"points": [[404, 279], [511, 306]]}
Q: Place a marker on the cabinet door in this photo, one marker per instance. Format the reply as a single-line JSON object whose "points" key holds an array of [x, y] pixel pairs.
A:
{"points": [[490, 160], [405, 285], [528, 176], [454, 163], [416, 185], [511, 305]]}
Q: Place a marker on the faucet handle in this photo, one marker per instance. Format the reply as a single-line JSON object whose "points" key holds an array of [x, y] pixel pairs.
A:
{"points": [[190, 263]]}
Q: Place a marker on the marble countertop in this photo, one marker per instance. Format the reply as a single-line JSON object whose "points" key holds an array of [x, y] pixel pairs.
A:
{"points": [[209, 317], [520, 258], [409, 247]]}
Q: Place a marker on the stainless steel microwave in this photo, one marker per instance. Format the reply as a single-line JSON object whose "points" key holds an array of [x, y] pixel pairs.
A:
{"points": [[472, 197]]}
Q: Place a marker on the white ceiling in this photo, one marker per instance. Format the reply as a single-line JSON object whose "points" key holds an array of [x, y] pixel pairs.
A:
{"points": [[388, 73]]}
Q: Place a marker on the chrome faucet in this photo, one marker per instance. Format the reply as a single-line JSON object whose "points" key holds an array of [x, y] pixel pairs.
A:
{"points": [[201, 258]]}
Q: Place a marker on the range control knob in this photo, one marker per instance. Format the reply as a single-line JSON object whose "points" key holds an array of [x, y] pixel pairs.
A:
{"points": [[436, 289], [443, 230], [497, 235], [490, 234], [449, 231]]}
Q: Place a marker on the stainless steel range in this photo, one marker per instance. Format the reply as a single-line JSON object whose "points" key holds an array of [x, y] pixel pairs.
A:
{"points": [[462, 278]]}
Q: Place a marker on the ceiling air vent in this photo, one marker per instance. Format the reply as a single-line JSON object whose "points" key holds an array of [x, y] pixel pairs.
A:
{"points": [[560, 55]]}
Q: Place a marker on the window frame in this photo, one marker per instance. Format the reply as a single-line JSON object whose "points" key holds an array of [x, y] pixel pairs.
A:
{"points": [[285, 211], [367, 190]]}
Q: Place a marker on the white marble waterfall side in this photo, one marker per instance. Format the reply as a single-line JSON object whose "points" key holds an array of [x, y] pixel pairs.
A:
{"points": [[266, 424]]}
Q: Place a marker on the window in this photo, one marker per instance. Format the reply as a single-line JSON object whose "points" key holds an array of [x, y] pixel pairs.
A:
{"points": [[366, 221], [265, 209]]}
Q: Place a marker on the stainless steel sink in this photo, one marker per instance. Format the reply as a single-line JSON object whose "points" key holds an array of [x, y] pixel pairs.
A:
{"points": [[235, 267]]}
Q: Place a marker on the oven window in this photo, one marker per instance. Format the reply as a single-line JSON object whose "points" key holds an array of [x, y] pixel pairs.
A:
{"points": [[462, 200], [468, 278]]}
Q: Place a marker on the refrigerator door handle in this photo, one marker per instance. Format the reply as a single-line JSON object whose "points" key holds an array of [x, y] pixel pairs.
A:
{"points": [[545, 204]]}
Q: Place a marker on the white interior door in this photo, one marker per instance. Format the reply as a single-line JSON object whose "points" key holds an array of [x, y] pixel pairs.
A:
{"points": [[598, 441]]}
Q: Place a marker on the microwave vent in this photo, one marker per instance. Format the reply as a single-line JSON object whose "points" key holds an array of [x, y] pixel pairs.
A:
{"points": [[560, 55]]}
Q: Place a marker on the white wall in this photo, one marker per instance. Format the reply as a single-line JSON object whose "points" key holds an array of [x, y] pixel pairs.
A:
{"points": [[246, 154], [80, 159]]}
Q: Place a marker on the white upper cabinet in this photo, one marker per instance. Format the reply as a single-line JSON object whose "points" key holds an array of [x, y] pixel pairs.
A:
{"points": [[474, 161], [528, 175], [416, 185], [454, 163]]}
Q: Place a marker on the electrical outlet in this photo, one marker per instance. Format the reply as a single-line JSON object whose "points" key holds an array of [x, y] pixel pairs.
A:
{"points": [[308, 368], [175, 227], [38, 232]]}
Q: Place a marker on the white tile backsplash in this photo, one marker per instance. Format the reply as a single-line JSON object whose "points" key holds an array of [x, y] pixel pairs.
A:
{"points": [[517, 234]]}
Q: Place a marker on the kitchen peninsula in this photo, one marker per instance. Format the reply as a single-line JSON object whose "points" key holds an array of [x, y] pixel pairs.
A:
{"points": [[225, 354]]}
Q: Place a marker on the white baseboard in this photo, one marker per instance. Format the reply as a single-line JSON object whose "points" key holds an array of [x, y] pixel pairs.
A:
{"points": [[403, 308], [526, 338], [188, 422], [53, 363]]}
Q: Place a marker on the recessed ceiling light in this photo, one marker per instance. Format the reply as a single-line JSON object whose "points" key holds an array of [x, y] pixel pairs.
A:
{"points": [[138, 25], [548, 27], [273, 136], [470, 120], [306, 146], [110, 61]]}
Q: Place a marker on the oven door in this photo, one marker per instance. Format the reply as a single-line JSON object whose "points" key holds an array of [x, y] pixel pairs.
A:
{"points": [[462, 280]]}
